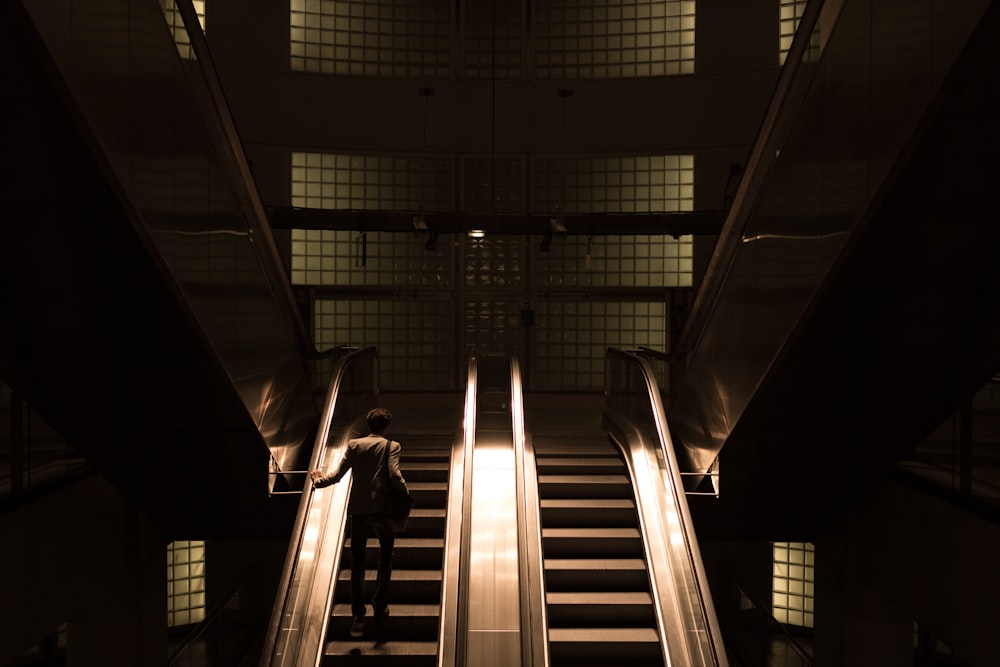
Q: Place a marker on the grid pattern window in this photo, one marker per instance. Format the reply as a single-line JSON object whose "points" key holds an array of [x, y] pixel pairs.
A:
{"points": [[373, 38], [493, 185], [493, 40], [792, 583], [615, 261], [185, 583], [492, 327], [583, 39], [789, 16], [630, 184], [492, 261], [415, 355], [372, 183], [176, 24], [569, 339], [380, 259]]}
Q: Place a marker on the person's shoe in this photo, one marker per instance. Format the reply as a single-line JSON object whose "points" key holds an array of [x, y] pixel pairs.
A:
{"points": [[358, 626], [381, 613]]}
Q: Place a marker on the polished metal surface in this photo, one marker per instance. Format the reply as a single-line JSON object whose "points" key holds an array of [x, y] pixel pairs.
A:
{"points": [[634, 417], [452, 628], [297, 632], [845, 115], [493, 612]]}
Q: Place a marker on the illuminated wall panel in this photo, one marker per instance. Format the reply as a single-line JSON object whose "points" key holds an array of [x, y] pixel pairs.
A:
{"points": [[583, 39], [185, 582], [374, 38], [792, 582], [176, 24], [624, 184]]}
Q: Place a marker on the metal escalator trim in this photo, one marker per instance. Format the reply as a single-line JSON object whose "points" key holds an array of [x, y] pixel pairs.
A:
{"points": [[665, 522], [297, 631], [493, 612], [534, 610], [455, 565]]}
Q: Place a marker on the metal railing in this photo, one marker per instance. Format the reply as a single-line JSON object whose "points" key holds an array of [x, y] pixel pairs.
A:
{"points": [[296, 634], [635, 420]]}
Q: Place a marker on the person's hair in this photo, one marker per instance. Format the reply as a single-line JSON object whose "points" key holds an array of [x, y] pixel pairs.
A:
{"points": [[378, 419]]}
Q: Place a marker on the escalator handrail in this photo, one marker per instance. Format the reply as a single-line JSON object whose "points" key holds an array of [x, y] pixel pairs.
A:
{"points": [[676, 486], [453, 626], [534, 612], [278, 614]]}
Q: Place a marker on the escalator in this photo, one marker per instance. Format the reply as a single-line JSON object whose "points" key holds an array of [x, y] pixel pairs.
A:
{"points": [[409, 636], [598, 598]]}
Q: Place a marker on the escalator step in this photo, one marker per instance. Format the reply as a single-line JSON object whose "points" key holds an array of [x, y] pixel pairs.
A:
{"points": [[608, 574], [592, 542], [363, 652], [600, 609], [584, 512], [611, 646], [584, 486]]}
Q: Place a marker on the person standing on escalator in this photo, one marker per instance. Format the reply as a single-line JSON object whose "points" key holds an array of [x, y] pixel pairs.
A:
{"points": [[367, 508]]}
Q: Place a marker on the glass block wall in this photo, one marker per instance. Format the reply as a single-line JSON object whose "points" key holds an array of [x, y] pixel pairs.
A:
{"points": [[792, 583], [615, 261], [625, 184], [185, 582], [569, 339], [377, 38], [573, 39], [372, 182], [413, 336], [383, 259], [427, 307], [176, 25], [581, 39]]}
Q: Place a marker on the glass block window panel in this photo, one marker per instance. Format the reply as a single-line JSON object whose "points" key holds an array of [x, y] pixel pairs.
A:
{"points": [[569, 339], [789, 16], [493, 185], [492, 261], [614, 261], [792, 583], [185, 582], [373, 38], [176, 25], [581, 39], [493, 40], [380, 259], [629, 184], [413, 337], [492, 327], [371, 182]]}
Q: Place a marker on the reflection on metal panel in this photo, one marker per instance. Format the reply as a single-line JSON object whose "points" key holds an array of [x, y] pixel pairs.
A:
{"points": [[634, 418], [297, 632]]}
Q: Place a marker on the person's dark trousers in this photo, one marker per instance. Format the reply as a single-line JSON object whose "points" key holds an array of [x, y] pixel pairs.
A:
{"points": [[361, 527]]}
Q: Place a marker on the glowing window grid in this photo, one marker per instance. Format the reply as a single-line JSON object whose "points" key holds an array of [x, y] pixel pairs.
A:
{"points": [[581, 39], [413, 337], [331, 257], [792, 583], [615, 261], [569, 339], [176, 24], [629, 184], [371, 182], [185, 582], [376, 38], [789, 16]]}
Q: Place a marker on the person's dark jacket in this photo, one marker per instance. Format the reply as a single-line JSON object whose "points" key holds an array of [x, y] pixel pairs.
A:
{"points": [[363, 456]]}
